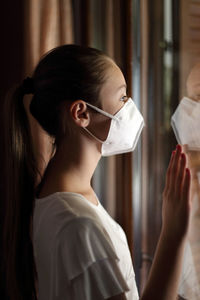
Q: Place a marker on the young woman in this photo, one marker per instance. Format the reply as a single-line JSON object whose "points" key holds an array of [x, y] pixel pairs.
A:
{"points": [[59, 242]]}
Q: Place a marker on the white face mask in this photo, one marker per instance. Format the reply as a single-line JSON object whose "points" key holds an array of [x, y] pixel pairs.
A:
{"points": [[186, 123], [125, 128]]}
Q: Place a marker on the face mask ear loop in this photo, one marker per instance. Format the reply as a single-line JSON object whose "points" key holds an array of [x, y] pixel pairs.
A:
{"points": [[90, 133], [101, 111]]}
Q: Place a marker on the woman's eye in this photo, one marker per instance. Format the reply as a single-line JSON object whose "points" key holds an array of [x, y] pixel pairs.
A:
{"points": [[124, 98]]}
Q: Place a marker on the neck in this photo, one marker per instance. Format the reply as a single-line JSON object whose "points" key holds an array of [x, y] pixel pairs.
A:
{"points": [[71, 169]]}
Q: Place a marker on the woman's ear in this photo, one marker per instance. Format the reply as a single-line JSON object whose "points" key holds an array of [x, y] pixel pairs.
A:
{"points": [[79, 113]]}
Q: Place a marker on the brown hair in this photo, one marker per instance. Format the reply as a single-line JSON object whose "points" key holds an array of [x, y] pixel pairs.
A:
{"points": [[66, 73]]}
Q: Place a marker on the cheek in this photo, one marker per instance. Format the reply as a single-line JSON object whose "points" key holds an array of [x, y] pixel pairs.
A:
{"points": [[115, 108], [112, 106], [118, 107]]}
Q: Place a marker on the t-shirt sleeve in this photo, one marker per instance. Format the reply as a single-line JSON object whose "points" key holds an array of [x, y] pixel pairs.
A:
{"points": [[86, 263]]}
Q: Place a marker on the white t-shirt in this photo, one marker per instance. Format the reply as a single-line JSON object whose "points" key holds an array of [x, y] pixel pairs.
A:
{"points": [[81, 253]]}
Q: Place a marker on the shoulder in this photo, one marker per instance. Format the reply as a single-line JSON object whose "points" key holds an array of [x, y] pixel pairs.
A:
{"points": [[80, 244], [85, 256], [84, 232]]}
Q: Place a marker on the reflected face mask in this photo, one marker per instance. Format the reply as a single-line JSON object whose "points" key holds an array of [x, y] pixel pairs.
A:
{"points": [[186, 123], [125, 129]]}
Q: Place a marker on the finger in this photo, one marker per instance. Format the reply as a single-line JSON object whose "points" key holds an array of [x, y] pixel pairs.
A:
{"points": [[175, 166], [168, 173], [181, 173], [186, 185]]}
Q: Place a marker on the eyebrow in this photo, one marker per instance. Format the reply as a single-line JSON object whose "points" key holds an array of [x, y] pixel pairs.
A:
{"points": [[122, 86]]}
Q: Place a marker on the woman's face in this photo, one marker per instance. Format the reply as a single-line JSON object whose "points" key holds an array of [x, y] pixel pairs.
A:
{"points": [[112, 97], [113, 92]]}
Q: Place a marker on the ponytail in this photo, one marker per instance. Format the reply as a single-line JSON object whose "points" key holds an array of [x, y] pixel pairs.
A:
{"points": [[18, 271]]}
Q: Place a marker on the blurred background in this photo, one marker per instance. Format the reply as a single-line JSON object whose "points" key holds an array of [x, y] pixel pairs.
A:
{"points": [[155, 42]]}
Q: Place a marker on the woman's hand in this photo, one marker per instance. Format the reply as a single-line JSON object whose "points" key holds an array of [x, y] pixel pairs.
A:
{"points": [[176, 198], [165, 272]]}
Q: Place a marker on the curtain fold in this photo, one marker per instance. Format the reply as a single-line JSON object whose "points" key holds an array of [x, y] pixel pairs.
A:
{"points": [[48, 24]]}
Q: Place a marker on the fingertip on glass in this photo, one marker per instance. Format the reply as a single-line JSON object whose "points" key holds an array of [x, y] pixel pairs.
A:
{"points": [[178, 147]]}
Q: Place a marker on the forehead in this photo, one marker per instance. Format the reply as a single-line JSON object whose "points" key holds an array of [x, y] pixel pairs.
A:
{"points": [[114, 80]]}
